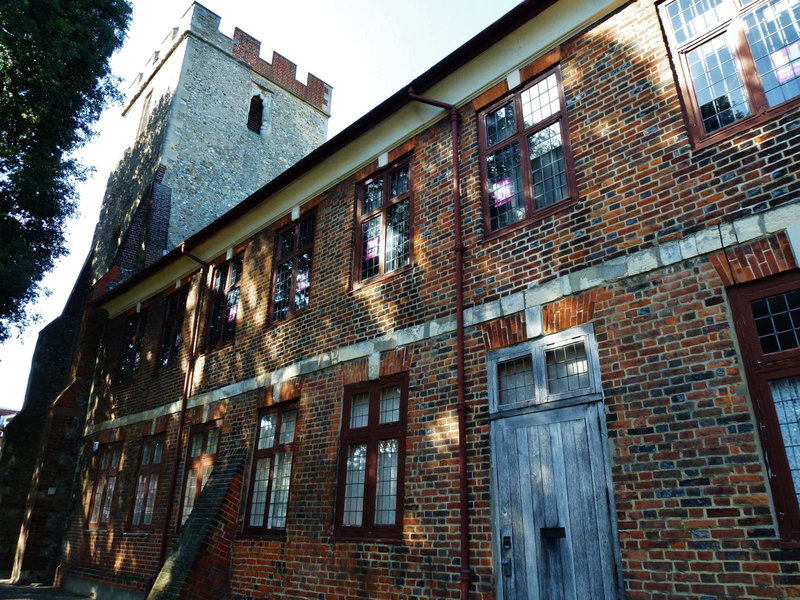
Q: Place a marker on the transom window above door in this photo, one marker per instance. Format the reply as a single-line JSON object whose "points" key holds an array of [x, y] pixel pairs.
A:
{"points": [[562, 367]]}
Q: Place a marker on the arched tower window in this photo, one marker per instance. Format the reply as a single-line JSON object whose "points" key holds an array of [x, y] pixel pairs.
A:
{"points": [[255, 115]]}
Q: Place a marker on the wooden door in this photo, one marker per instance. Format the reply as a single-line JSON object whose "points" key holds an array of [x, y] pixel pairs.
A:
{"points": [[556, 537]]}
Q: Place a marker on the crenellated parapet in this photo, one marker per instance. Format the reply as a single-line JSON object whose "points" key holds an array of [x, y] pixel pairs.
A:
{"points": [[282, 71], [204, 24]]}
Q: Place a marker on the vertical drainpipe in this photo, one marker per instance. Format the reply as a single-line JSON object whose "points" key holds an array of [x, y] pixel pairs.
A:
{"points": [[187, 385], [461, 406]]}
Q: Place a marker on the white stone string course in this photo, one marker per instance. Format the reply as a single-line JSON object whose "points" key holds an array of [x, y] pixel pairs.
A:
{"points": [[784, 218]]}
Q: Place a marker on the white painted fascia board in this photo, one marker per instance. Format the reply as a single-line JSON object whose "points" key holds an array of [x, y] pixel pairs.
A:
{"points": [[532, 39], [544, 32]]}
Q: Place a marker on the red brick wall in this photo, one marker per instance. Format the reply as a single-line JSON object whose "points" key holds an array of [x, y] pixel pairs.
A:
{"points": [[209, 579], [692, 502]]}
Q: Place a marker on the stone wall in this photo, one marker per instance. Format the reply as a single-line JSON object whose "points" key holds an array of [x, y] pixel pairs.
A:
{"points": [[213, 160], [129, 185]]}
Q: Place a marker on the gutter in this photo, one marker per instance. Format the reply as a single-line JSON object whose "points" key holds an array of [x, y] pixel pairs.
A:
{"points": [[461, 406]]}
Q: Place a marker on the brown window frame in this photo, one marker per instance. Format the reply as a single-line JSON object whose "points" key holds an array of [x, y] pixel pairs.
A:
{"points": [[172, 329], [280, 410], [383, 211], [292, 257], [218, 300], [133, 341], [751, 80], [201, 462], [532, 214], [760, 369], [105, 470], [370, 435], [148, 471]]}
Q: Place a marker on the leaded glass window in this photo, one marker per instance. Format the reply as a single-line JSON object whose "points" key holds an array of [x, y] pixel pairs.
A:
{"points": [[172, 330], [110, 456], [272, 468], [225, 290], [777, 320], [203, 444], [526, 157], [293, 259], [729, 78], [147, 482], [384, 223], [766, 315], [372, 454], [132, 349]]}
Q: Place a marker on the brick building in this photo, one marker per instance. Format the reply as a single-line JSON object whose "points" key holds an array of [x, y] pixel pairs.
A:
{"points": [[559, 362]]}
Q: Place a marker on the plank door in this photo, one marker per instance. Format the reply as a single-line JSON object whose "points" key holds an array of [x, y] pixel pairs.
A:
{"points": [[556, 537]]}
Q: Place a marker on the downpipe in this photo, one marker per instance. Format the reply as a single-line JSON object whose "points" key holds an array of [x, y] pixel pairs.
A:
{"points": [[461, 406]]}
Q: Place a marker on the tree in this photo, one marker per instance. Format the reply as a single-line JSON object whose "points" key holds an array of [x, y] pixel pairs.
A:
{"points": [[54, 82]]}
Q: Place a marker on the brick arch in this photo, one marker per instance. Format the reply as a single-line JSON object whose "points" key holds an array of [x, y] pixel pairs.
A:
{"points": [[757, 259]]}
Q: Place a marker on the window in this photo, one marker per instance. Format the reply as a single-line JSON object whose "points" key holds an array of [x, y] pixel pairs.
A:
{"points": [[272, 470], [372, 460], [147, 483], [105, 484], [292, 276], [224, 302], [145, 114], [132, 350], [737, 60], [767, 319], [562, 367], [172, 333], [384, 214], [525, 156], [256, 114], [203, 443]]}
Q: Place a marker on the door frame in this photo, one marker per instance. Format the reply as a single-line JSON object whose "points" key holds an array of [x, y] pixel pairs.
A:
{"points": [[544, 403]]}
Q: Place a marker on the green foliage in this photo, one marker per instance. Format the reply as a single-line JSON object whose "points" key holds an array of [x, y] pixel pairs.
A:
{"points": [[54, 82]]}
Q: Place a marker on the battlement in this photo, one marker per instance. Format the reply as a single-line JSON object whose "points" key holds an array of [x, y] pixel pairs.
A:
{"points": [[204, 24], [281, 71]]}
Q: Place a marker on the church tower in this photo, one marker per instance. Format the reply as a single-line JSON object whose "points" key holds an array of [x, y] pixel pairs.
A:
{"points": [[211, 122]]}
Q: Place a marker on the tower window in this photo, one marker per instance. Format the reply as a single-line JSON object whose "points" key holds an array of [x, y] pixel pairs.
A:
{"points": [[145, 114], [256, 114]]}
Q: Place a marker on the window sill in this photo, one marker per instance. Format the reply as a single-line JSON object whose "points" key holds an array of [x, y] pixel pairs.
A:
{"points": [[127, 382], [207, 351], [161, 369], [96, 530], [742, 126], [539, 215], [360, 285], [136, 534], [290, 317], [368, 539], [267, 536]]}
